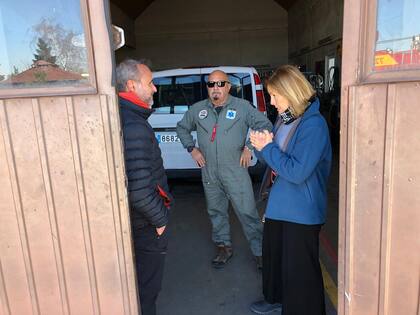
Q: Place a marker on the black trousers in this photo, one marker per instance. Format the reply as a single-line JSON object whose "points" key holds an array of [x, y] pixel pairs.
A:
{"points": [[150, 251], [291, 270]]}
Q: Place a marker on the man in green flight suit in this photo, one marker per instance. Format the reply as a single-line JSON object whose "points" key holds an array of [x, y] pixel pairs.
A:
{"points": [[222, 122]]}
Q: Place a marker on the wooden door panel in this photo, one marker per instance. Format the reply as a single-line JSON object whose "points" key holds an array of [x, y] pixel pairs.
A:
{"points": [[367, 110], [66, 194], [96, 177], [15, 287], [28, 159], [381, 245], [401, 241]]}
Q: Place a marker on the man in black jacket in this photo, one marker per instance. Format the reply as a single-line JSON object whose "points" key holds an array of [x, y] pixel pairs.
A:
{"points": [[148, 191]]}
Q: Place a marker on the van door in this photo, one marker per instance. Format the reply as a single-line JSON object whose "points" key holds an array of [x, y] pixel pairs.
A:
{"points": [[175, 94]]}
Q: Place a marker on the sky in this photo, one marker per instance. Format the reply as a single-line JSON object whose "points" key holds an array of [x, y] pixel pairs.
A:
{"points": [[16, 35], [398, 19]]}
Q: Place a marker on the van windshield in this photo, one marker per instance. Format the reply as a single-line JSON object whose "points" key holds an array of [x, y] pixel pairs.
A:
{"points": [[240, 86], [175, 94]]}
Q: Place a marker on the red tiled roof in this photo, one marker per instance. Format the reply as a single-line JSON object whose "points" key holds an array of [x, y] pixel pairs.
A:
{"points": [[44, 71]]}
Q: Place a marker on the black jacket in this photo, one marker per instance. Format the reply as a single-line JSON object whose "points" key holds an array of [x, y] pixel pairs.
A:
{"points": [[144, 167]]}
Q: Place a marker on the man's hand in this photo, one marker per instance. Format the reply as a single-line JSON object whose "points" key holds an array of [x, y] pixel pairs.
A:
{"points": [[198, 157], [160, 230], [259, 139], [245, 157]]}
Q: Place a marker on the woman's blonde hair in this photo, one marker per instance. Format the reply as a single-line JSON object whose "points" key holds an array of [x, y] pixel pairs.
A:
{"points": [[290, 83]]}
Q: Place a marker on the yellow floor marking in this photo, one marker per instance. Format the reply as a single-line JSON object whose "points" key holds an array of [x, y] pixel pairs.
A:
{"points": [[329, 286]]}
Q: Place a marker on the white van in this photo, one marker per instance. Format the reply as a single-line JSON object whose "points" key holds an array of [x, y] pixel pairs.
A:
{"points": [[177, 90]]}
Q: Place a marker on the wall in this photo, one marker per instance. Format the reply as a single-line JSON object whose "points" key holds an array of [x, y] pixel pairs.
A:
{"points": [[175, 33], [315, 30], [190, 33]]}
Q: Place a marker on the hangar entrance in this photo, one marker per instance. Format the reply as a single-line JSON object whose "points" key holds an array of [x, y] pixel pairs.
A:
{"points": [[261, 34]]}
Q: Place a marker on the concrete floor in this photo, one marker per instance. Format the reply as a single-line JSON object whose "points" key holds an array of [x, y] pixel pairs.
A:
{"points": [[192, 286]]}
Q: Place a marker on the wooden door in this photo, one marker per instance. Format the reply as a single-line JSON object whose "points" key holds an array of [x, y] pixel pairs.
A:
{"points": [[379, 246], [65, 244]]}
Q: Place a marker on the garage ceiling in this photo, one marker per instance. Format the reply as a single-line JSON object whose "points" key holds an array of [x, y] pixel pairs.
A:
{"points": [[286, 4], [133, 8]]}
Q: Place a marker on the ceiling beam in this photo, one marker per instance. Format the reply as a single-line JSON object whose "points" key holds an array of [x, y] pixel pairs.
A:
{"points": [[285, 4], [133, 8]]}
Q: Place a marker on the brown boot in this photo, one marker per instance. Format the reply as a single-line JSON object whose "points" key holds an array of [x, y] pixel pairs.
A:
{"points": [[224, 253]]}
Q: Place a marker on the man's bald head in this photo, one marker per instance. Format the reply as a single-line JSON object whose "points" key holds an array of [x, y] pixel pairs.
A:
{"points": [[218, 75], [218, 94]]}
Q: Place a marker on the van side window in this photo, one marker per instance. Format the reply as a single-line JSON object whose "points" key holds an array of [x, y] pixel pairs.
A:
{"points": [[240, 85], [176, 94], [247, 87]]}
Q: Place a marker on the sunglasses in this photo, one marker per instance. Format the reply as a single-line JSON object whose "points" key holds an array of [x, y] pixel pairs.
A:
{"points": [[211, 84]]}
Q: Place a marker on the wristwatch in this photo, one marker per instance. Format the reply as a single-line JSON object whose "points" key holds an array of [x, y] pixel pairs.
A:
{"points": [[249, 148], [190, 148]]}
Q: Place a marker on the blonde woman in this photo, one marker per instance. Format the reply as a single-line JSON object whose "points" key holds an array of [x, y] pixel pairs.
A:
{"points": [[299, 153]]}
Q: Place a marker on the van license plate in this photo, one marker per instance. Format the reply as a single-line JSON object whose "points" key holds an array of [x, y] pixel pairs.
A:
{"points": [[167, 138]]}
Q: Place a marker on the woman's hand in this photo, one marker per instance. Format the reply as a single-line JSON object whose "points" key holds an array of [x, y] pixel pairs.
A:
{"points": [[260, 139]]}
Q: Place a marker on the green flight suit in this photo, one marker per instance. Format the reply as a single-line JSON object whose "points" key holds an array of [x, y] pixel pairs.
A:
{"points": [[221, 139]]}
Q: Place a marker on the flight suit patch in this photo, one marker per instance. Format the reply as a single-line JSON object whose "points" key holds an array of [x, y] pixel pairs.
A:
{"points": [[202, 114], [231, 114]]}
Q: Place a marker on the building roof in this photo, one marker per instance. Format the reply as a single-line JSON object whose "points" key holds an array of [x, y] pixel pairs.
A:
{"points": [[44, 71]]}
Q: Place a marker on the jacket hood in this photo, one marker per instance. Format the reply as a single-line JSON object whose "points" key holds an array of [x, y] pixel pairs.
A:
{"points": [[312, 109]]}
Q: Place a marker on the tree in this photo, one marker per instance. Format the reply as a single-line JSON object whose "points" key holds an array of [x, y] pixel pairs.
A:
{"points": [[68, 47], [15, 70], [43, 52]]}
